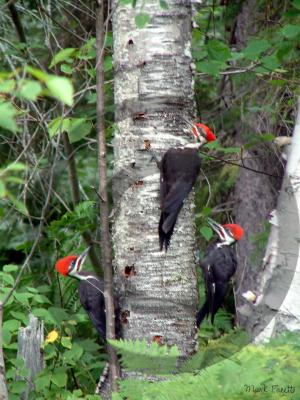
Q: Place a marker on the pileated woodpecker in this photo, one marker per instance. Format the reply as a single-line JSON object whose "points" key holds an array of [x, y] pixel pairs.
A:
{"points": [[179, 169], [218, 266], [91, 290]]}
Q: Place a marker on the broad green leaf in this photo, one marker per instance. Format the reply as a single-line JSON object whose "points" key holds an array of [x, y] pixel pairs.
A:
{"points": [[62, 55], [7, 117], [30, 90], [210, 67], [218, 51], [7, 278], [61, 88], [74, 354], [20, 316], [6, 336], [290, 31], [125, 2], [7, 86], [141, 20], [10, 268], [59, 314], [23, 297], [66, 69], [206, 232], [58, 125], [11, 325], [255, 48], [59, 377], [18, 387], [206, 211], [39, 298], [163, 4], [42, 380], [66, 342], [44, 314], [79, 128]]}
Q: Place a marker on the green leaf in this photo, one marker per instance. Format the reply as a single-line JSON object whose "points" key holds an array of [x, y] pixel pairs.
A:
{"points": [[37, 73], [255, 48], [62, 56], [66, 69], [7, 86], [6, 336], [30, 90], [10, 268], [125, 2], [42, 380], [59, 377], [290, 31], [2, 189], [79, 128], [141, 20], [7, 278], [206, 211], [20, 316], [44, 314], [66, 342], [218, 51], [61, 88], [7, 117], [206, 232], [163, 4], [16, 166], [58, 125], [12, 325], [210, 67], [107, 65], [74, 354], [23, 297]]}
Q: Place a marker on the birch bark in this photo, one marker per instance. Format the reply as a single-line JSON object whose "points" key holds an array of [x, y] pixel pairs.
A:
{"points": [[153, 87]]}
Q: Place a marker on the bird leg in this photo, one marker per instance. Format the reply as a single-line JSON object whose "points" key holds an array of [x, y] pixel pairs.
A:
{"points": [[152, 153]]}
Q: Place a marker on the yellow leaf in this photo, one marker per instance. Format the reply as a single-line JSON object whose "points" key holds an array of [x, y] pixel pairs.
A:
{"points": [[51, 337]]}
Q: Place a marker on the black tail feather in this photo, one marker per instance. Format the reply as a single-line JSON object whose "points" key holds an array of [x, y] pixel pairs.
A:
{"points": [[203, 313], [166, 234]]}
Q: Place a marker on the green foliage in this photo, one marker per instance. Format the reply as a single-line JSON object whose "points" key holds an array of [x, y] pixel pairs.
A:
{"points": [[138, 355], [241, 375]]}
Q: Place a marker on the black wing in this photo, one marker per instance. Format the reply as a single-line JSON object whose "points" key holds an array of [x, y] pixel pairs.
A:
{"points": [[179, 170], [218, 267], [92, 300]]}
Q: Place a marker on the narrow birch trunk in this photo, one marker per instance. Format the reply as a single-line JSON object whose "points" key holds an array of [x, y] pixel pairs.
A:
{"points": [[153, 88], [277, 307]]}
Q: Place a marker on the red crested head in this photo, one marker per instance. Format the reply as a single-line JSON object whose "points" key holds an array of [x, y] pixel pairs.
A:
{"points": [[203, 130], [63, 264], [236, 230]]}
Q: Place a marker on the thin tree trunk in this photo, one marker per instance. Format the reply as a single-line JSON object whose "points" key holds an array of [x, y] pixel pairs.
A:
{"points": [[153, 88], [277, 287], [106, 248]]}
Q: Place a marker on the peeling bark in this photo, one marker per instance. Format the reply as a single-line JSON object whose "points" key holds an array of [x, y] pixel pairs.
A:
{"points": [[153, 87]]}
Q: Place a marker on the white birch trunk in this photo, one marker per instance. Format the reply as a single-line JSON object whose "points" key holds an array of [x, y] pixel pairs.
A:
{"points": [[153, 87], [277, 307]]}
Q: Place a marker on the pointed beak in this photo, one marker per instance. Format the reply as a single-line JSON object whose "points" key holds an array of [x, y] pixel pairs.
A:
{"points": [[81, 258], [216, 227]]}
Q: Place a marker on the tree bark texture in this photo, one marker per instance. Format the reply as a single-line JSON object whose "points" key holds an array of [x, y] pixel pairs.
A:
{"points": [[30, 340], [153, 88], [277, 308]]}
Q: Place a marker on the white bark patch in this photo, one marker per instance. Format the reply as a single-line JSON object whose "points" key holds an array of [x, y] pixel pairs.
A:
{"points": [[279, 282], [153, 83]]}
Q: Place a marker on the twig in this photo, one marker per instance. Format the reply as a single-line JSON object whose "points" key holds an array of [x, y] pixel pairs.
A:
{"points": [[241, 166]]}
